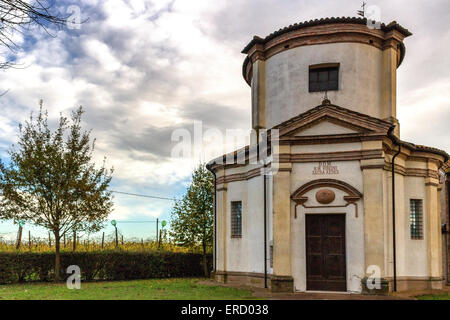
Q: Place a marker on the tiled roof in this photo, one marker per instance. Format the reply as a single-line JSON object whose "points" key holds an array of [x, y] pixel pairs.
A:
{"points": [[354, 20], [416, 147]]}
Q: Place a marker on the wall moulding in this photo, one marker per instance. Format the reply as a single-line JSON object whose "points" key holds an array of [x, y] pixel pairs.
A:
{"points": [[330, 30], [351, 197]]}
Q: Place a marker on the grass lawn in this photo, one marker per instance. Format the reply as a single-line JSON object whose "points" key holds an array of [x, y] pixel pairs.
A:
{"points": [[443, 296], [153, 289]]}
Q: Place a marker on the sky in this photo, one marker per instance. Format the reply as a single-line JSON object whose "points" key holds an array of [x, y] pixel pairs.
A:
{"points": [[143, 69]]}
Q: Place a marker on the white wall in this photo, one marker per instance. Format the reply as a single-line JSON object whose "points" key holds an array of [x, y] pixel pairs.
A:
{"points": [[246, 254], [415, 261], [287, 76], [237, 247]]}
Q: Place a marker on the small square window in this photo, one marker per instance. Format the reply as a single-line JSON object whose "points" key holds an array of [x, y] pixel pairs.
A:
{"points": [[416, 219], [323, 77], [236, 219]]}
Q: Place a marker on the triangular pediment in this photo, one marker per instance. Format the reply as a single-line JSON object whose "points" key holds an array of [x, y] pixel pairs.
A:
{"points": [[326, 126], [331, 120]]}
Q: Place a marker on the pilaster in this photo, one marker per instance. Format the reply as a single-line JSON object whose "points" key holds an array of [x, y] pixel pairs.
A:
{"points": [[433, 224], [259, 94], [389, 83], [282, 238], [374, 215]]}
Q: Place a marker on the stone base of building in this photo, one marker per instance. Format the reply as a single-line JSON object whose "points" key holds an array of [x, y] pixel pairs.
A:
{"points": [[241, 278], [275, 283], [379, 287], [286, 284], [403, 284], [282, 283], [416, 283]]}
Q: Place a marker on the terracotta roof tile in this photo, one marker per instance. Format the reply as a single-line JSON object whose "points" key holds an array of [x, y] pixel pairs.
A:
{"points": [[354, 20]]}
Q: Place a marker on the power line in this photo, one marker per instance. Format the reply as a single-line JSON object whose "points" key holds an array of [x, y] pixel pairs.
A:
{"points": [[138, 195], [143, 221], [143, 195]]}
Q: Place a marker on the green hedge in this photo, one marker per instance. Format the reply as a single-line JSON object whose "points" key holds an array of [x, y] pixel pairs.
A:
{"points": [[106, 265]]}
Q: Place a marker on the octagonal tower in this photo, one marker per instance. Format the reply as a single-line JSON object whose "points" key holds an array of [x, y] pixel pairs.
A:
{"points": [[290, 70]]}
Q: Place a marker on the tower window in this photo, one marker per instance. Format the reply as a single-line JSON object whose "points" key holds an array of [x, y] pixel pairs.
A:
{"points": [[236, 219], [416, 219], [323, 77]]}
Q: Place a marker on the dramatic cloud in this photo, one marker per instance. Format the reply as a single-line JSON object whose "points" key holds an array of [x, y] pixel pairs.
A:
{"points": [[142, 69]]}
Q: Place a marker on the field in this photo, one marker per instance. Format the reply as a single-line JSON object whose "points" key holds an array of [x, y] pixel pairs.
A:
{"points": [[154, 289], [39, 245]]}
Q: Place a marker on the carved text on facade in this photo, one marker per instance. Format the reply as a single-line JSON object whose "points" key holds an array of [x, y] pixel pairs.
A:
{"points": [[325, 167]]}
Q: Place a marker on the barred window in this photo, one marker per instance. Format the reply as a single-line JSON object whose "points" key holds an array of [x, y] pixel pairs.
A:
{"points": [[323, 77], [236, 219], [416, 219]]}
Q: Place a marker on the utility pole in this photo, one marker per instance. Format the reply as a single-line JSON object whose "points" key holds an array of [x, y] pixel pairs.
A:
{"points": [[157, 223], [114, 223], [163, 224]]}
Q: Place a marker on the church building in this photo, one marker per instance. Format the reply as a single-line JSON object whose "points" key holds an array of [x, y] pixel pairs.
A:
{"points": [[340, 203]]}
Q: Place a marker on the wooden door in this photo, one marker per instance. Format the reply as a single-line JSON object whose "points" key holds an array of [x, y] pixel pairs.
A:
{"points": [[325, 252]]}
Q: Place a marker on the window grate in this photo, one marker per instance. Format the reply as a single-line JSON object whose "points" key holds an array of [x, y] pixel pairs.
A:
{"points": [[416, 219], [323, 79], [236, 219]]}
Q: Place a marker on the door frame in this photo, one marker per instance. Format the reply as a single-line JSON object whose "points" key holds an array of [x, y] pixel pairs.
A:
{"points": [[344, 215]]}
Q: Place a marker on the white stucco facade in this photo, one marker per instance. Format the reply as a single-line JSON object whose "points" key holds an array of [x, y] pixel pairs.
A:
{"points": [[326, 218]]}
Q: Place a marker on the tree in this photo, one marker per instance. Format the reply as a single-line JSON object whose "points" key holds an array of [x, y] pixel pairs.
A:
{"points": [[19, 16], [51, 180], [192, 216]]}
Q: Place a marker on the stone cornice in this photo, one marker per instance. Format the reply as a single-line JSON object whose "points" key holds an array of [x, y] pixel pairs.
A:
{"points": [[329, 30], [369, 129], [411, 172], [413, 152], [240, 176], [330, 156]]}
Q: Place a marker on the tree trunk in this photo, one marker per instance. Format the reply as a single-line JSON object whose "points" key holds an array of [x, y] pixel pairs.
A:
{"points": [[19, 238], [57, 258], [205, 262]]}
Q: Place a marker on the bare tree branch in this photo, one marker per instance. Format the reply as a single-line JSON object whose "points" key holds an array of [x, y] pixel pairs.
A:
{"points": [[19, 17]]}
